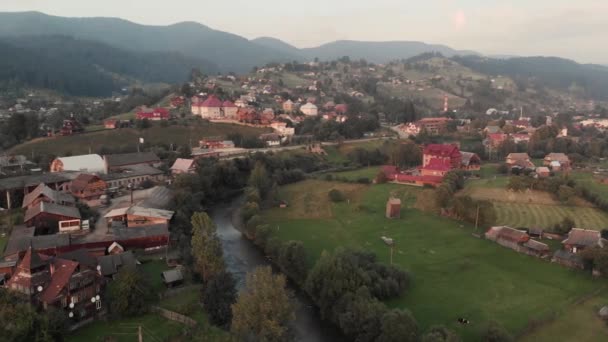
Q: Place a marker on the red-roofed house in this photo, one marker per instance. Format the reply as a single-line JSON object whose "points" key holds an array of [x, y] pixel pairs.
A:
{"points": [[230, 110], [57, 282], [177, 101], [495, 139], [211, 108], [88, 187], [341, 109], [436, 167], [156, 114], [448, 154]]}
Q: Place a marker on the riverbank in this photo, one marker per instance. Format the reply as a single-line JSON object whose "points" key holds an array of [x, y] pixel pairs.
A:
{"points": [[242, 256]]}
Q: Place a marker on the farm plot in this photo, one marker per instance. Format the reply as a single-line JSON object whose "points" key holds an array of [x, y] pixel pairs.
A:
{"points": [[546, 216]]}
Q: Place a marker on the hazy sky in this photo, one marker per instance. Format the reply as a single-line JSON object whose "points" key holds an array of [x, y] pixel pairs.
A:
{"points": [[575, 29]]}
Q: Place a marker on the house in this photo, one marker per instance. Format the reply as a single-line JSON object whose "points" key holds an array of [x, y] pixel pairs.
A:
{"points": [[494, 140], [183, 166], [543, 172], [43, 193], [177, 101], [393, 174], [565, 258], [288, 106], [447, 154], [309, 109], [87, 187], [67, 285], [519, 159], [436, 167], [433, 126], [271, 139], [156, 114], [216, 144], [557, 161], [507, 236], [91, 163], [49, 216], [71, 126], [14, 163], [341, 108], [211, 108], [110, 124], [172, 278], [470, 161], [133, 176], [393, 208], [535, 248], [137, 216], [579, 239], [115, 162], [282, 129], [109, 265], [230, 110]]}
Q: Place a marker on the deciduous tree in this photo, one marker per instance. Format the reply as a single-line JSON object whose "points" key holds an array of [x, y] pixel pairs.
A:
{"points": [[206, 247]]}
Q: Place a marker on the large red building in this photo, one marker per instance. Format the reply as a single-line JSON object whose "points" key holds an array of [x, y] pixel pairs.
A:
{"points": [[156, 114]]}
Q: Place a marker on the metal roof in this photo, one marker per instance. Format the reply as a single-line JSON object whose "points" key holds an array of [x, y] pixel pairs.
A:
{"points": [[87, 162]]}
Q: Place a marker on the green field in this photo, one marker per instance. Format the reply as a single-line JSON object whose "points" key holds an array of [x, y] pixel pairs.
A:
{"points": [[128, 137], [454, 274], [366, 172], [546, 216]]}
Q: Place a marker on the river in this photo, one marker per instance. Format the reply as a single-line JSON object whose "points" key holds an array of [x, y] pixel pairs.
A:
{"points": [[242, 256]]}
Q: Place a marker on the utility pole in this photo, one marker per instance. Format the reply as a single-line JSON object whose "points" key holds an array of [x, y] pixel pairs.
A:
{"points": [[477, 218], [141, 337]]}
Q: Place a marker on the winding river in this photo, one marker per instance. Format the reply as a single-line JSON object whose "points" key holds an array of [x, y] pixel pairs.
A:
{"points": [[242, 256]]}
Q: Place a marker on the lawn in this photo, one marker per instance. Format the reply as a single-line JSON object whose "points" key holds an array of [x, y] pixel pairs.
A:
{"points": [[366, 172], [546, 216], [580, 323], [154, 328], [454, 274], [152, 269], [337, 154], [127, 138]]}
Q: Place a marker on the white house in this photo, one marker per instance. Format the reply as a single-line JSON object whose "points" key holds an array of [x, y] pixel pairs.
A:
{"points": [[309, 109]]}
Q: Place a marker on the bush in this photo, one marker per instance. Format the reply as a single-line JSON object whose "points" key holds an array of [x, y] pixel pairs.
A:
{"points": [[381, 178], [496, 333], [363, 180], [336, 195]]}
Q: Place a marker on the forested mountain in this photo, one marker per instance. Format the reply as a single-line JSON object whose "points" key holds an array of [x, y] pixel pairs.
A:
{"points": [[377, 52], [588, 80], [228, 51], [87, 68]]}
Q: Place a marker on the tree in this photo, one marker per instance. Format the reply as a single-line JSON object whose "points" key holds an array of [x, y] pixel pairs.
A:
{"points": [[496, 333], [381, 178], [359, 315], [292, 260], [260, 180], [264, 310], [439, 333], [21, 323], [565, 226], [218, 297], [398, 326], [566, 194], [142, 124], [206, 247], [129, 294]]}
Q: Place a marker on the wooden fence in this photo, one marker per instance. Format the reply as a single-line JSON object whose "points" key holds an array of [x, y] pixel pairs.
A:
{"points": [[174, 316]]}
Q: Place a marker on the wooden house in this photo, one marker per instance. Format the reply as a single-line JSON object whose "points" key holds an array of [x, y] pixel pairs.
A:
{"points": [[48, 216], [43, 193], [579, 239], [557, 161], [88, 187]]}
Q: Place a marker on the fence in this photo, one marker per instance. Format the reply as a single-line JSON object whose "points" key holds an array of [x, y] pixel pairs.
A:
{"points": [[174, 316]]}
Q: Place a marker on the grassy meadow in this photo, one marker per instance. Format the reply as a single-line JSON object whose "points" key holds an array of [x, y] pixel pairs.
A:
{"points": [[454, 274], [126, 138]]}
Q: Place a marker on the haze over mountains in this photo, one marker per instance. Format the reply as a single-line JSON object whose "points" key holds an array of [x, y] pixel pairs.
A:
{"points": [[66, 54]]}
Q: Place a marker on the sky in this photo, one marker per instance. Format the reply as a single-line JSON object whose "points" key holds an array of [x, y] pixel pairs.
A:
{"points": [[576, 29]]}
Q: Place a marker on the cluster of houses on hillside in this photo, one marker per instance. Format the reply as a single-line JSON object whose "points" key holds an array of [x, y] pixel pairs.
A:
{"points": [[553, 162], [55, 257], [527, 242], [437, 161]]}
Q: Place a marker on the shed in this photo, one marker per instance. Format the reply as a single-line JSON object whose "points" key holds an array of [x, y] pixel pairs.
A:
{"points": [[91, 163], [172, 278], [393, 208]]}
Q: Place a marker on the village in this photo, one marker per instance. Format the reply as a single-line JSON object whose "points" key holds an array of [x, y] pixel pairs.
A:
{"points": [[497, 181]]}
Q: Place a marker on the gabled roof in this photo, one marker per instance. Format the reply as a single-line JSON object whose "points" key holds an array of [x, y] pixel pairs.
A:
{"points": [[63, 271], [441, 150], [110, 264], [437, 164], [31, 260], [467, 157], [172, 276], [228, 104], [212, 102], [182, 164], [81, 256], [518, 156], [508, 233], [82, 181], [150, 212], [42, 189], [583, 237], [51, 208], [560, 157], [87, 162], [117, 160], [537, 246]]}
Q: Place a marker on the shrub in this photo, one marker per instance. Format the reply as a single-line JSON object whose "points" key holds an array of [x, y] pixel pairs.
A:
{"points": [[336, 195]]}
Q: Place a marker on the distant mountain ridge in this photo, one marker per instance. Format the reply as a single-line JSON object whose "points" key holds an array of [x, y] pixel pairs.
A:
{"points": [[228, 51]]}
